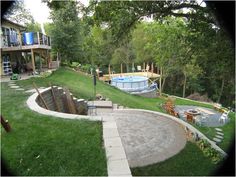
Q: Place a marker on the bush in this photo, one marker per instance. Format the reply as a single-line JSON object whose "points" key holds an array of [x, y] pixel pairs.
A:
{"points": [[86, 68], [208, 151], [197, 97]]}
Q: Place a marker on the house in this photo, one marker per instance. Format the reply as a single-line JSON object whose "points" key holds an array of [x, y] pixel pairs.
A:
{"points": [[23, 51]]}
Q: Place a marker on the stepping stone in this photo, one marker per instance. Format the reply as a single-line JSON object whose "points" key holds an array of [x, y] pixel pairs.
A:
{"points": [[217, 140], [218, 136], [30, 91], [219, 133], [15, 87], [11, 84], [218, 129], [20, 89], [34, 90]]}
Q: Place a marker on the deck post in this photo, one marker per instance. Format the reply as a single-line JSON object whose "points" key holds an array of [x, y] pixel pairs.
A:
{"points": [[48, 59], [38, 38], [32, 58], [121, 68], [40, 61], [160, 84], [152, 69], [20, 39], [109, 71]]}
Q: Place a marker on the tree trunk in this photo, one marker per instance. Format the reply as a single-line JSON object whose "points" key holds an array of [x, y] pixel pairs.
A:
{"points": [[163, 84], [184, 86], [127, 67], [221, 90], [160, 86]]}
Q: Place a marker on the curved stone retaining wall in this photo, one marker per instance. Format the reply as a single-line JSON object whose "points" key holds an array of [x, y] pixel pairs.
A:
{"points": [[60, 99], [33, 105]]}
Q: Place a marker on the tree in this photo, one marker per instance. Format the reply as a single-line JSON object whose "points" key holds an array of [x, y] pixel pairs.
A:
{"points": [[191, 71], [34, 27], [65, 34], [97, 47], [123, 55], [133, 11], [19, 14]]}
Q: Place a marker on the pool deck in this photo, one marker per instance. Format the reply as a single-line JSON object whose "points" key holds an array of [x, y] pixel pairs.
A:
{"points": [[150, 75]]}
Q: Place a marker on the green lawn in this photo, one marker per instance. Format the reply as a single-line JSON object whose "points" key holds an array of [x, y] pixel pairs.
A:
{"points": [[190, 161], [74, 147], [45, 146]]}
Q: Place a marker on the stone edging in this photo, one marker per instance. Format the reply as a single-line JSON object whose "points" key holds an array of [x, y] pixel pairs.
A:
{"points": [[117, 163], [186, 125], [33, 105]]}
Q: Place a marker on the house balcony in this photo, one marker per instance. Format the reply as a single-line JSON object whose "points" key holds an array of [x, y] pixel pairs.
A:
{"points": [[25, 41]]}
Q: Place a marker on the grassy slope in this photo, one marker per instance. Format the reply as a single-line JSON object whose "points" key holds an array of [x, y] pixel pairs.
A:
{"points": [[82, 86], [66, 147]]}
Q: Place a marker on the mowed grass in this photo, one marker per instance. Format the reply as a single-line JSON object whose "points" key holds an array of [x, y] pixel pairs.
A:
{"points": [[190, 161], [82, 87], [46, 146]]}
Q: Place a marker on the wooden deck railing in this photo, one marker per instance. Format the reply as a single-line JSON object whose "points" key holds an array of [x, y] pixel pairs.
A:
{"points": [[17, 40]]}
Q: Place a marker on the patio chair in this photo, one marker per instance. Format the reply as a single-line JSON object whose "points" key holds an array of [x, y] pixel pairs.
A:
{"points": [[197, 120], [139, 68], [224, 117]]}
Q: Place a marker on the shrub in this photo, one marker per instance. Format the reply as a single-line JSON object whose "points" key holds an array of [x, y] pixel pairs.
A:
{"points": [[197, 97], [208, 151]]}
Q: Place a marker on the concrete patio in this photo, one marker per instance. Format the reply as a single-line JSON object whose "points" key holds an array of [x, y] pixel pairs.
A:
{"points": [[207, 117]]}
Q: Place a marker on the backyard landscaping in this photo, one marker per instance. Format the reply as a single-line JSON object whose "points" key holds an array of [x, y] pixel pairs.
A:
{"points": [[43, 145]]}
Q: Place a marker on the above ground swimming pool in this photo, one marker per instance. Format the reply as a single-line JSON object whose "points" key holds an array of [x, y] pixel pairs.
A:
{"points": [[130, 83]]}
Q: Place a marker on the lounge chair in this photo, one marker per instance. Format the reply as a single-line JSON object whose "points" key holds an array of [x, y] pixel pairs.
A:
{"points": [[224, 117]]}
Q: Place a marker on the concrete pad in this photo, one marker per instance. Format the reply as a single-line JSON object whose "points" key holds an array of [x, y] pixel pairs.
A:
{"points": [[113, 142], [218, 129], [108, 118], [217, 140], [115, 153], [148, 138], [101, 104], [118, 168], [219, 133], [109, 125], [110, 133]]}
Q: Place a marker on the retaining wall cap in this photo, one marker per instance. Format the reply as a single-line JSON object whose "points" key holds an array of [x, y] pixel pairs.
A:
{"points": [[190, 127], [33, 105]]}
